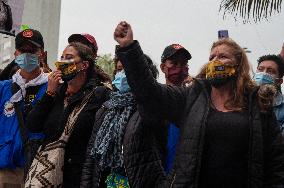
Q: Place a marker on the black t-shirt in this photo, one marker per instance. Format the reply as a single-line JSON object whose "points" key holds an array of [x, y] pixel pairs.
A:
{"points": [[225, 151]]}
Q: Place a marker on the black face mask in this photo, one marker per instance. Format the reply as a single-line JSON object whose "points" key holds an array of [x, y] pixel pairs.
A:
{"points": [[68, 77], [219, 82]]}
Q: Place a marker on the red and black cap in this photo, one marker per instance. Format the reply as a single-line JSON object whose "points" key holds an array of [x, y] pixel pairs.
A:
{"points": [[29, 36], [172, 49], [86, 39]]}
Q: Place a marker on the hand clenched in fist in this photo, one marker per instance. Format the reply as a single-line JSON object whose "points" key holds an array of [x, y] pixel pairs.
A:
{"points": [[123, 34]]}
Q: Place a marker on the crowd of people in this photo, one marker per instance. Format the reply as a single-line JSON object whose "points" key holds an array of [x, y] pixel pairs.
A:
{"points": [[76, 127]]}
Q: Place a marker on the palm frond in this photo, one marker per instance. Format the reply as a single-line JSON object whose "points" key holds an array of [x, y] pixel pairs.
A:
{"points": [[248, 10]]}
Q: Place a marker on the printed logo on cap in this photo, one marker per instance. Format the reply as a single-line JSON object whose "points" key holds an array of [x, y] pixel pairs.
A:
{"points": [[177, 46], [28, 33]]}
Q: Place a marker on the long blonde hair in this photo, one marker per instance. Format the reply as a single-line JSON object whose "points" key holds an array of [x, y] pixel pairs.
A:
{"points": [[243, 81]]}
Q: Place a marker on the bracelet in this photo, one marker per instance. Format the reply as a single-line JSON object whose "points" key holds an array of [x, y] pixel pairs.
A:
{"points": [[50, 93]]}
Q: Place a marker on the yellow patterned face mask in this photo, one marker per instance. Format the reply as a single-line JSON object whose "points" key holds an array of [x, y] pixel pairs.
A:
{"points": [[217, 69], [68, 69]]}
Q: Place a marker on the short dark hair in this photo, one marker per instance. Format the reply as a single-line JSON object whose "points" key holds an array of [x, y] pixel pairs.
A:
{"points": [[275, 58]]}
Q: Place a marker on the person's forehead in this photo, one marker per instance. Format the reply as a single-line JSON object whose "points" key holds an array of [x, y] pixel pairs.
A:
{"points": [[268, 64], [179, 61], [70, 50], [119, 64], [223, 48]]}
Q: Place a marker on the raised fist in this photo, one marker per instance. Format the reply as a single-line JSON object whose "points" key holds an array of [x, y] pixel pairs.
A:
{"points": [[123, 34]]}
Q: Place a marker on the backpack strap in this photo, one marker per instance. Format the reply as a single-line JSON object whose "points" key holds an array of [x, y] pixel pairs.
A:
{"points": [[20, 117]]}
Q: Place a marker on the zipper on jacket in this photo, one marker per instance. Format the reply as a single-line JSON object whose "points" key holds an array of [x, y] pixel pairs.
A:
{"points": [[125, 167], [173, 180], [202, 135]]}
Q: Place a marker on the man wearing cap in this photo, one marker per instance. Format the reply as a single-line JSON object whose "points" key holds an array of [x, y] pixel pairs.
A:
{"points": [[174, 65], [17, 97], [270, 70], [12, 67]]}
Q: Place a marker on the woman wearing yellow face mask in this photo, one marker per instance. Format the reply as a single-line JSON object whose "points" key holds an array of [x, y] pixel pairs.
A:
{"points": [[229, 137], [66, 115]]}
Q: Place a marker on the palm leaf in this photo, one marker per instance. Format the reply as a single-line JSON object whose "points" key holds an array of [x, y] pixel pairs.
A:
{"points": [[247, 10]]}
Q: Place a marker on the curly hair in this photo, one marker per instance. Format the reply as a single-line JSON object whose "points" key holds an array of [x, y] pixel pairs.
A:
{"points": [[243, 81]]}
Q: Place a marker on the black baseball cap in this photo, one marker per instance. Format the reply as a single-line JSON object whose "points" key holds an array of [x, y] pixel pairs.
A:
{"points": [[29, 35], [173, 49]]}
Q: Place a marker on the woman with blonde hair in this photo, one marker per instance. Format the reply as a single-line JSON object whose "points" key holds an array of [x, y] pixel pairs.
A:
{"points": [[229, 137]]}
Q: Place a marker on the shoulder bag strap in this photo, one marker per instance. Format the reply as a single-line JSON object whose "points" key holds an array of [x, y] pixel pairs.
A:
{"points": [[19, 115]]}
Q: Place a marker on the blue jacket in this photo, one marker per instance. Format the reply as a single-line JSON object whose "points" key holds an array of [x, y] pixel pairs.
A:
{"points": [[278, 109], [11, 145]]}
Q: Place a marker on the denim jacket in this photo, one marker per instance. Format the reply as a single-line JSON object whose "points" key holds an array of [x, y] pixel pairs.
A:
{"points": [[278, 108]]}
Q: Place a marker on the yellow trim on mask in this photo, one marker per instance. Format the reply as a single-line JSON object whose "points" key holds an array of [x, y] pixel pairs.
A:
{"points": [[66, 66], [217, 69]]}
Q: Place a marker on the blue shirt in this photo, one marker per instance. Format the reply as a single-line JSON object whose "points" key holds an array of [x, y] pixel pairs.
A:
{"points": [[173, 136], [278, 108]]}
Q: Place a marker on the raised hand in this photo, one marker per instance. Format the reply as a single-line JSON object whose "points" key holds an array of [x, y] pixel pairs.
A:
{"points": [[54, 81], [123, 34]]}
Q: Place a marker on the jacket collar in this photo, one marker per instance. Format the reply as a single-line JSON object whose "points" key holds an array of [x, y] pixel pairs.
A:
{"points": [[278, 99]]}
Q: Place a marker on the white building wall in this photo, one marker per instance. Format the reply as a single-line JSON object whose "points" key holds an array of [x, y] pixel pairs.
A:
{"points": [[42, 15]]}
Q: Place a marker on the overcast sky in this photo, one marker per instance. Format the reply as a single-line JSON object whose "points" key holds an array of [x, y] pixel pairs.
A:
{"points": [[158, 23]]}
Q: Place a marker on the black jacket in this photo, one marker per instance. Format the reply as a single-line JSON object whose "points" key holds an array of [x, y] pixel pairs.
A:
{"points": [[143, 152], [188, 107], [49, 117]]}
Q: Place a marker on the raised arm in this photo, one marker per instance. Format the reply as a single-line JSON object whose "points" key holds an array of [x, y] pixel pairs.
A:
{"points": [[165, 101]]}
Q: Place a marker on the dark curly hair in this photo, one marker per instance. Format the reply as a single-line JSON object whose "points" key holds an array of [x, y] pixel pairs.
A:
{"points": [[275, 58]]}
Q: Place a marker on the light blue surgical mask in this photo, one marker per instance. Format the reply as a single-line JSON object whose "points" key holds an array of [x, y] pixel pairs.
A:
{"points": [[263, 78], [120, 82], [27, 61]]}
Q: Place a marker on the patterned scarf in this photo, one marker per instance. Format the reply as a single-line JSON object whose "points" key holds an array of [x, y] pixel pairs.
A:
{"points": [[108, 144]]}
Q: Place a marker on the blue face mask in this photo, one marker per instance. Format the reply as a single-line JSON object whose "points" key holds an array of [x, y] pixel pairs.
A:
{"points": [[120, 82], [263, 78], [27, 61]]}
